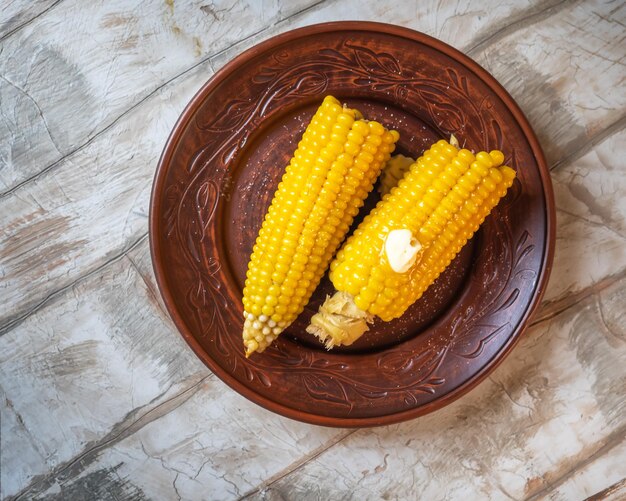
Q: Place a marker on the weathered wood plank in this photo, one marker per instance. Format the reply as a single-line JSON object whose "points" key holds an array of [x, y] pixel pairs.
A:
{"points": [[16, 13], [459, 24], [562, 368], [559, 395], [91, 208], [89, 371], [16, 437], [615, 492], [116, 55], [607, 469], [591, 220], [94, 358], [566, 72], [216, 445]]}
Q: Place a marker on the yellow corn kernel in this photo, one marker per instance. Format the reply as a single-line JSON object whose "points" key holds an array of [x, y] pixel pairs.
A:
{"points": [[301, 231], [442, 200]]}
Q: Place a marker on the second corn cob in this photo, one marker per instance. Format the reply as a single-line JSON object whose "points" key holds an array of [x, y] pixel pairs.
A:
{"points": [[409, 238], [326, 182]]}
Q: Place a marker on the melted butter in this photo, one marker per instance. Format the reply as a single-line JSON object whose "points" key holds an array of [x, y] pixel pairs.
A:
{"points": [[401, 250]]}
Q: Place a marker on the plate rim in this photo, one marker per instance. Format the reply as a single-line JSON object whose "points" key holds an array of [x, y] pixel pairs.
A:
{"points": [[375, 28]]}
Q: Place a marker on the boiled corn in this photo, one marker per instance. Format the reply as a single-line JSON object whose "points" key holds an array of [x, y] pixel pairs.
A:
{"points": [[326, 182], [441, 201]]}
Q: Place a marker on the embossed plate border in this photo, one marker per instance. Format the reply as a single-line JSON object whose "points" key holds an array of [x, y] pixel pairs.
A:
{"points": [[416, 376]]}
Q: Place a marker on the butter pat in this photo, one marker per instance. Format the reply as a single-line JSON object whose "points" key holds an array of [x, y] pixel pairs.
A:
{"points": [[401, 250]]}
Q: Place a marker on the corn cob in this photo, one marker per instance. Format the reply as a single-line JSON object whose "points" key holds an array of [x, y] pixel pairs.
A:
{"points": [[432, 212], [326, 182]]}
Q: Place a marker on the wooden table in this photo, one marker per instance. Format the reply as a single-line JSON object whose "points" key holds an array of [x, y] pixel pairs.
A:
{"points": [[100, 396]]}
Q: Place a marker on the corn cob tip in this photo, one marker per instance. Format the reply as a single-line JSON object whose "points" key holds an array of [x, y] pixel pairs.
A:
{"points": [[339, 321], [259, 332]]}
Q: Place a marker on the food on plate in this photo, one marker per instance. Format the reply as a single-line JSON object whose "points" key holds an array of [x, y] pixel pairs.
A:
{"points": [[333, 169], [409, 238]]}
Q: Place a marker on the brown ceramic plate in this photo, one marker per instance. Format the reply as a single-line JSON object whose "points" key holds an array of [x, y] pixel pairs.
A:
{"points": [[217, 177]]}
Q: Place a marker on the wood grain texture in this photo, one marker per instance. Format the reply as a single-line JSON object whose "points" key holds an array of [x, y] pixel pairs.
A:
{"points": [[96, 202], [566, 72], [448, 21], [132, 352], [614, 492], [87, 344], [115, 57], [127, 44], [15, 14], [591, 220], [227, 449], [569, 399], [88, 372], [604, 467], [137, 141]]}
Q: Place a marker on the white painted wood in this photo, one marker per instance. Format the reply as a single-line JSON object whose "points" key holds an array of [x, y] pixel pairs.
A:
{"points": [[217, 446], [74, 81], [91, 208], [16, 470], [566, 73], [132, 55], [97, 356], [591, 219], [93, 376], [500, 439], [100, 395], [607, 470], [460, 24], [17, 13]]}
